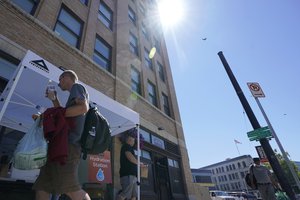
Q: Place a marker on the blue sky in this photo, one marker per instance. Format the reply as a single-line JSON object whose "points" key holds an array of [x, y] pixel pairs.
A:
{"points": [[261, 42]]}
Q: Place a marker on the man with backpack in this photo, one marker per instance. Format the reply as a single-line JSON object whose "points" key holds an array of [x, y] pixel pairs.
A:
{"points": [[264, 180], [55, 178]]}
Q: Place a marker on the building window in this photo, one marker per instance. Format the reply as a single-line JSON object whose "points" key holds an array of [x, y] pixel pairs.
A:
{"points": [[242, 174], [69, 27], [244, 164], [105, 15], [8, 65], [146, 135], [148, 61], [85, 2], [135, 80], [28, 6], [132, 15], [102, 54], [166, 104], [133, 44], [146, 154], [142, 9], [145, 31], [157, 142], [161, 72], [236, 175], [152, 94], [173, 163], [157, 46]]}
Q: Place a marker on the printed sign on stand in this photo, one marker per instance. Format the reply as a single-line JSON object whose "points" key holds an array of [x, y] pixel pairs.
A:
{"points": [[99, 168]]}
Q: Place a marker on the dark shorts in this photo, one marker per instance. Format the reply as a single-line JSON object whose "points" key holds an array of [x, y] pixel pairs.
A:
{"points": [[59, 179]]}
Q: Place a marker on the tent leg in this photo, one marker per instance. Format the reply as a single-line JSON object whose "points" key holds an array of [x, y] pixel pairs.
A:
{"points": [[138, 165]]}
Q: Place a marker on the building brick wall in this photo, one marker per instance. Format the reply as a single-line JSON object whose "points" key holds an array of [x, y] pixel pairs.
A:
{"points": [[20, 31]]}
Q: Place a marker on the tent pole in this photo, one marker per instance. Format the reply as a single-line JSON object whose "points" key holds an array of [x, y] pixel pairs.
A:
{"points": [[138, 165], [15, 81]]}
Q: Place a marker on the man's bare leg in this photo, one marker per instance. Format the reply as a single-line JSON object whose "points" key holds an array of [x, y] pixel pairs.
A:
{"points": [[42, 195], [79, 195]]}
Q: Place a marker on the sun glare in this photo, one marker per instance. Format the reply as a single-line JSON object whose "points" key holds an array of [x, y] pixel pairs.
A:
{"points": [[170, 11]]}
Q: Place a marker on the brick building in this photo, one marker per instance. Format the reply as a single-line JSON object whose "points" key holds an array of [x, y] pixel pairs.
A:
{"points": [[107, 42]]}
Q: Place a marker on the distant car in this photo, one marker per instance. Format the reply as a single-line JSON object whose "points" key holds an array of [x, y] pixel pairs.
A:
{"points": [[243, 195], [221, 195]]}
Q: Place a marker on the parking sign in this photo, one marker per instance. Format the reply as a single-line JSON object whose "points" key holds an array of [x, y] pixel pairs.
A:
{"points": [[255, 89]]}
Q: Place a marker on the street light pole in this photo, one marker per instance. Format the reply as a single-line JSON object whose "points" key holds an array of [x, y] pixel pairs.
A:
{"points": [[255, 124]]}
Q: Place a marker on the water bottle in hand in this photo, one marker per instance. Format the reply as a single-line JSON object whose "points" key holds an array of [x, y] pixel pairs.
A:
{"points": [[50, 92]]}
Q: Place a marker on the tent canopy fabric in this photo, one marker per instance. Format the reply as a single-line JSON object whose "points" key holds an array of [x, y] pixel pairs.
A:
{"points": [[25, 95]]}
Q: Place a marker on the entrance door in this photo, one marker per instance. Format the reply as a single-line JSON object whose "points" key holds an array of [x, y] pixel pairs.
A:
{"points": [[162, 178]]}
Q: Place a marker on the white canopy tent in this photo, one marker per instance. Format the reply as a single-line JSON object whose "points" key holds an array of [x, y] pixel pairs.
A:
{"points": [[24, 95]]}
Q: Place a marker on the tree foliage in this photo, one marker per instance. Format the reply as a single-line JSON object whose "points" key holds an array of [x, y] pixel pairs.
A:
{"points": [[286, 169]]}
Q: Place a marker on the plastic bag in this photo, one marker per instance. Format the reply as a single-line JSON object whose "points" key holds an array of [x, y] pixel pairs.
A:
{"points": [[31, 151], [280, 195]]}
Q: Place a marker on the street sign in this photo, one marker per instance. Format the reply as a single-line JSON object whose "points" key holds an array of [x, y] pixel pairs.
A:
{"points": [[255, 89], [260, 133], [261, 153]]}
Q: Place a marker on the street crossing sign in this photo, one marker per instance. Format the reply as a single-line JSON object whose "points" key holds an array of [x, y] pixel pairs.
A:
{"points": [[260, 133], [255, 89]]}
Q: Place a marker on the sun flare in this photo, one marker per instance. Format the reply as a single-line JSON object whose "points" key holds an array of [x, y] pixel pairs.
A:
{"points": [[170, 11]]}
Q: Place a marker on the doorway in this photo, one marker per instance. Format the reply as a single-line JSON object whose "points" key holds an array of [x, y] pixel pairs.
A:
{"points": [[162, 178]]}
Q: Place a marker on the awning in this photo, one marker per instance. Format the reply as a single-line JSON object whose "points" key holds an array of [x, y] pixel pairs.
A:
{"points": [[25, 95]]}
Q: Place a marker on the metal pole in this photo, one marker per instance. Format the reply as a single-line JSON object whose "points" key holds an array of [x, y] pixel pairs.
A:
{"points": [[264, 142], [138, 165], [287, 160]]}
